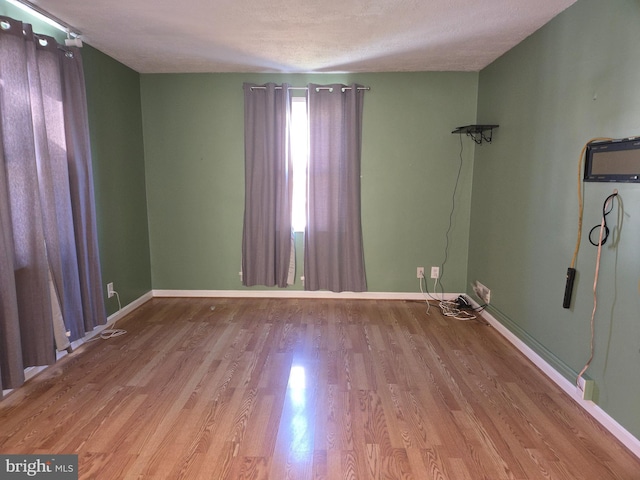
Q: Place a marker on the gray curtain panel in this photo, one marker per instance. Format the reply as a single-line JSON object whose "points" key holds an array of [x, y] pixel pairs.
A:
{"points": [[267, 234], [47, 117], [333, 250], [42, 90], [81, 190]]}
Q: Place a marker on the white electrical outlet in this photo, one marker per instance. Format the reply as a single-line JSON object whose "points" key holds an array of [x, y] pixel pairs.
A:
{"points": [[110, 290], [482, 292], [420, 272], [435, 272]]}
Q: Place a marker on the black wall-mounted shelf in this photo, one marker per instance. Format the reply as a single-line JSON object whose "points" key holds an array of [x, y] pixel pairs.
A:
{"points": [[477, 132]]}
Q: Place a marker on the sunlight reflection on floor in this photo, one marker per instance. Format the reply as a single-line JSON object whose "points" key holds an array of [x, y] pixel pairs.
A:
{"points": [[301, 437]]}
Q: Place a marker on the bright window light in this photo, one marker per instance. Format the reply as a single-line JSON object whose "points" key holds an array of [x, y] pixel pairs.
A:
{"points": [[298, 134]]}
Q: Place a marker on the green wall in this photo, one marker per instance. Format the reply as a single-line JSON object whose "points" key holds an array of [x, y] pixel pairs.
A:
{"points": [[115, 124], [194, 154], [575, 79]]}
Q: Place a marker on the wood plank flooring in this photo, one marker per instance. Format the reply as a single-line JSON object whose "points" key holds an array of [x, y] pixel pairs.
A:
{"points": [[306, 389]]}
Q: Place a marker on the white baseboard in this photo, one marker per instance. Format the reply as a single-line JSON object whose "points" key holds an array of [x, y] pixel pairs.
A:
{"points": [[299, 294], [631, 442]]}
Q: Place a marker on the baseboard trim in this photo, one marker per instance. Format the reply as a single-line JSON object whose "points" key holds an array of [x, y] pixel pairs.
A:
{"points": [[617, 430], [299, 294]]}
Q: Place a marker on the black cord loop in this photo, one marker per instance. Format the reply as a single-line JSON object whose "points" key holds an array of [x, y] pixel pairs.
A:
{"points": [[606, 210]]}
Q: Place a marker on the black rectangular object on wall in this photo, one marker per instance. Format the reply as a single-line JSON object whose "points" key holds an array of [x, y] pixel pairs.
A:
{"points": [[613, 161]]}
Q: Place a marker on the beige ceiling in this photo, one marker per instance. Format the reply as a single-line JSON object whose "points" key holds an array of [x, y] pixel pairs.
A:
{"points": [[156, 36]]}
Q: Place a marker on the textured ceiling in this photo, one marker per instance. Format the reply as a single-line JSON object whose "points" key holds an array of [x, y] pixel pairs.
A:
{"points": [[162, 36]]}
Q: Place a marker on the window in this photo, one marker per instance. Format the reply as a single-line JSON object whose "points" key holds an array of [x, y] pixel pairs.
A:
{"points": [[299, 137]]}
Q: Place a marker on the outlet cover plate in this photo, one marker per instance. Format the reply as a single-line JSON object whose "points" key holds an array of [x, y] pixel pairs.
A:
{"points": [[482, 292]]}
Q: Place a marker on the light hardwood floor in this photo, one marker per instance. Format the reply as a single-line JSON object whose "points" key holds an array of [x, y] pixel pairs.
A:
{"points": [[301, 389]]}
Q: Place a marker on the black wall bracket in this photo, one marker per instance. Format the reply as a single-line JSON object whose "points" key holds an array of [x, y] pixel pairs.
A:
{"points": [[477, 132]]}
